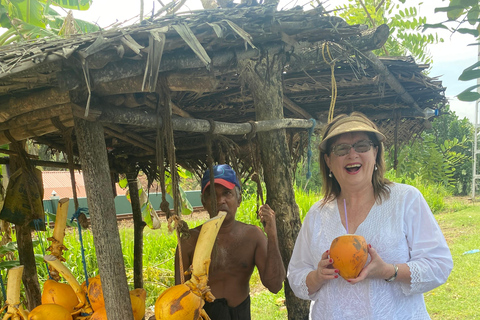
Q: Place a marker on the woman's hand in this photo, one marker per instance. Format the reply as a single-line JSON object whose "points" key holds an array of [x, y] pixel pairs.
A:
{"points": [[375, 269], [324, 272]]}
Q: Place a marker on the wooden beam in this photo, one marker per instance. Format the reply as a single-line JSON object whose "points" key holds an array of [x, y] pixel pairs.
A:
{"points": [[382, 69], [297, 110], [138, 226], [35, 129], [38, 115], [43, 163], [147, 119], [11, 107], [101, 205], [132, 135], [129, 140]]}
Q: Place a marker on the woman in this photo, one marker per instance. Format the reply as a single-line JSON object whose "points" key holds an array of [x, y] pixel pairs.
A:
{"points": [[408, 254]]}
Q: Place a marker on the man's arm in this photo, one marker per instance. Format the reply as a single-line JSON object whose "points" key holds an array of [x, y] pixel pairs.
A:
{"points": [[267, 254]]}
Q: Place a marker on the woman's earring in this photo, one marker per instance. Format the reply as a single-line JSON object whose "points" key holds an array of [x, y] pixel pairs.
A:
{"points": [[330, 174], [376, 168]]}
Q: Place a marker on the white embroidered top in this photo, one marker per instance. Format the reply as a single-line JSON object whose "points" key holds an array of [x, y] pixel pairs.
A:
{"points": [[403, 230]]}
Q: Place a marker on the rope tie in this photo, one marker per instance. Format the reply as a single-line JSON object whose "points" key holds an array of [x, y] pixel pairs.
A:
{"points": [[76, 215], [37, 223], [331, 63], [309, 152], [4, 293], [177, 224]]}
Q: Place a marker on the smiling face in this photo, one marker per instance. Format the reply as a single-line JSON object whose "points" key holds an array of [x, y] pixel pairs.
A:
{"points": [[353, 170]]}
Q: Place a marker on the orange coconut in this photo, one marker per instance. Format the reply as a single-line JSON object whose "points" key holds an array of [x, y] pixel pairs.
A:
{"points": [[178, 303], [95, 293], [349, 253], [50, 311], [59, 293], [100, 314]]}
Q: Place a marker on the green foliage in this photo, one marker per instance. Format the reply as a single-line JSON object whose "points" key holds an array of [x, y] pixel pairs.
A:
{"points": [[441, 155], [434, 194], [31, 19], [405, 26], [463, 17]]}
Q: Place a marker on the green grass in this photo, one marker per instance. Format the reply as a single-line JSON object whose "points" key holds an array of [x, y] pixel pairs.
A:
{"points": [[457, 299]]}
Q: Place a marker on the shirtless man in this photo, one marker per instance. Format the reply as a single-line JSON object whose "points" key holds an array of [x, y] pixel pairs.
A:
{"points": [[239, 248]]}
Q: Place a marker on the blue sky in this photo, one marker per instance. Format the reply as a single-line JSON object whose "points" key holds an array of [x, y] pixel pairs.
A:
{"points": [[449, 58]]}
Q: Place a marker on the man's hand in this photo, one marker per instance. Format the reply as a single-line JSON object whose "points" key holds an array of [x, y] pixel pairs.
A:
{"points": [[267, 217]]}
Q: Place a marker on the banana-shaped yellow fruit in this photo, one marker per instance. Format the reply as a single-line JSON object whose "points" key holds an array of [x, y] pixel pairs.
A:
{"points": [[15, 310], [137, 298], [185, 301]]}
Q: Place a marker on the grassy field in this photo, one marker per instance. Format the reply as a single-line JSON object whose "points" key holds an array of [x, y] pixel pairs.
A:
{"points": [[457, 299]]}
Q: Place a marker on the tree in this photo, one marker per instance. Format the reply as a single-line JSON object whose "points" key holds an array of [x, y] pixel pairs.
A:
{"points": [[441, 155], [31, 19], [463, 16], [404, 22]]}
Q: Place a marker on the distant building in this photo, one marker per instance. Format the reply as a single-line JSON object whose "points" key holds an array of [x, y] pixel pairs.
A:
{"points": [[59, 181]]}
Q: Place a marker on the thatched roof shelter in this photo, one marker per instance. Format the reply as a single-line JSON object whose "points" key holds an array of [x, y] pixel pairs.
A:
{"points": [[224, 75], [44, 83]]}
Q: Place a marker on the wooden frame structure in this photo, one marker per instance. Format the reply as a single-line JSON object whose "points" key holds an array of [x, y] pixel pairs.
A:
{"points": [[234, 77]]}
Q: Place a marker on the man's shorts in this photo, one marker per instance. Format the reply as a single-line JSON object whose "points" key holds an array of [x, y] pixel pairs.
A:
{"points": [[219, 310]]}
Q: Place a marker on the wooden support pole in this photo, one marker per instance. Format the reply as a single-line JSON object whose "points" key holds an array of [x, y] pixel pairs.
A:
{"points": [[138, 226], [96, 173], [26, 256], [264, 79]]}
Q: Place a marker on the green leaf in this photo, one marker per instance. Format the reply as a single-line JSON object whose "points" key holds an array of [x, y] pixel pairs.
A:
{"points": [[9, 264], [71, 4], [470, 73], [434, 26], [468, 95], [123, 183], [473, 32], [456, 10], [9, 247]]}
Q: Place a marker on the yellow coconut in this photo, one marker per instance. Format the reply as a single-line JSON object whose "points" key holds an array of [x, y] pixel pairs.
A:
{"points": [[138, 297], [50, 311], [100, 314], [59, 293], [178, 303], [95, 293]]}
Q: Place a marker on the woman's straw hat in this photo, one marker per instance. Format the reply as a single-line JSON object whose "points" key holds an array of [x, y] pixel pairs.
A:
{"points": [[350, 124]]}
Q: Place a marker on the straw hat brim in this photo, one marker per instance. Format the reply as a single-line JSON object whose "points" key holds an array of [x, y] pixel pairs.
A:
{"points": [[349, 125]]}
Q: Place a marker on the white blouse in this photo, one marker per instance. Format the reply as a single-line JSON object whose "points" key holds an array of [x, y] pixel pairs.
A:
{"points": [[403, 230]]}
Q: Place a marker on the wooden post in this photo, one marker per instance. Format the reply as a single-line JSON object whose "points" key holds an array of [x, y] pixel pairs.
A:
{"points": [[27, 259], [96, 174], [138, 225], [264, 79]]}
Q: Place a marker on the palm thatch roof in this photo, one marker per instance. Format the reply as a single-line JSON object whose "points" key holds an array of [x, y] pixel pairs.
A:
{"points": [[118, 76]]}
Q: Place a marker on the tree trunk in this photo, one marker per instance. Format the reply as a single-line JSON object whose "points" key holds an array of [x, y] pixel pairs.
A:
{"points": [[27, 259], [264, 79], [96, 173], [138, 225]]}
